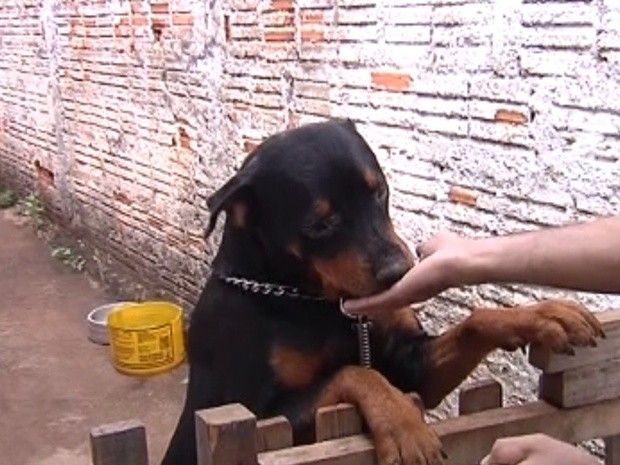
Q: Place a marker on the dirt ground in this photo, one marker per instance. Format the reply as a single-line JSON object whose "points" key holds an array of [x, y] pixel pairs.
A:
{"points": [[54, 383]]}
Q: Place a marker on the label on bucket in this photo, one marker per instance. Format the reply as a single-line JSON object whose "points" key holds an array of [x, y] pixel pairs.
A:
{"points": [[143, 349]]}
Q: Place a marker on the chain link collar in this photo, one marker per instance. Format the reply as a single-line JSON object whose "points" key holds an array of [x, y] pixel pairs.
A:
{"points": [[268, 289]]}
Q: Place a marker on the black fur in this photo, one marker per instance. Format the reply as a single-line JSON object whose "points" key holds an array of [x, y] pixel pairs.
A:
{"points": [[232, 332]]}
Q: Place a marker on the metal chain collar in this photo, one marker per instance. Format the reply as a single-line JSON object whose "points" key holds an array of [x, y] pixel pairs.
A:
{"points": [[273, 289]]}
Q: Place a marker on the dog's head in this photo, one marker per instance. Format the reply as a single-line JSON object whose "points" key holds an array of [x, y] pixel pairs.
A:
{"points": [[316, 196]]}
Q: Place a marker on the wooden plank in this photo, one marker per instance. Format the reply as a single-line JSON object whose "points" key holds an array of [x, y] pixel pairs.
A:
{"points": [[612, 450], [341, 420], [273, 433], [607, 348], [121, 443], [480, 395], [351, 450], [469, 438], [582, 386], [337, 421], [226, 435]]}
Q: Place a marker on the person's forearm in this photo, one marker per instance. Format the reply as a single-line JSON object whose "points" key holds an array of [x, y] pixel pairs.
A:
{"points": [[582, 256]]}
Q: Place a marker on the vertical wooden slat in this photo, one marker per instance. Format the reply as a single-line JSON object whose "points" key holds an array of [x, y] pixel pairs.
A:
{"points": [[341, 420], [337, 421], [273, 433], [583, 385], [226, 436], [479, 396], [122, 443], [612, 450]]}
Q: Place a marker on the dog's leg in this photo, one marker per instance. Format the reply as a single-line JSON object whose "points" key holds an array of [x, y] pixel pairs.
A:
{"points": [[182, 447], [452, 356], [396, 424]]}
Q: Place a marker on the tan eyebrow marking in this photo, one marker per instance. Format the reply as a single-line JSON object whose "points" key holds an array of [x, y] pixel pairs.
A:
{"points": [[371, 178]]}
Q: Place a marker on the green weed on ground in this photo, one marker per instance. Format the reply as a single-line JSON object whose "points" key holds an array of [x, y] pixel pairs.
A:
{"points": [[69, 257], [8, 198], [32, 207]]}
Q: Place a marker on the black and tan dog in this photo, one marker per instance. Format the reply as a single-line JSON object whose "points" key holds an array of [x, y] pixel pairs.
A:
{"points": [[309, 209]]}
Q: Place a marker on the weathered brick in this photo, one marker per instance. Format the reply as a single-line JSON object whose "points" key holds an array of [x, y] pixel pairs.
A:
{"points": [[565, 13], [410, 34], [462, 195], [510, 116], [391, 80], [279, 35], [312, 35], [487, 116], [182, 19]]}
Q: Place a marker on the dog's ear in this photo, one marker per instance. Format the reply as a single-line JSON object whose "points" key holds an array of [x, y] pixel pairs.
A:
{"points": [[236, 191], [347, 123]]}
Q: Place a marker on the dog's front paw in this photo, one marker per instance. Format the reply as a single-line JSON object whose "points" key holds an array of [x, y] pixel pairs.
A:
{"points": [[560, 325], [401, 437], [555, 325]]}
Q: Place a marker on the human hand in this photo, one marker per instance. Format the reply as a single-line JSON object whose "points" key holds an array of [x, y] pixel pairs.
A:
{"points": [[536, 449], [442, 260]]}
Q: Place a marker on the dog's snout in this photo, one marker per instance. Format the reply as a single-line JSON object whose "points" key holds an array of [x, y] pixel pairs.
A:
{"points": [[389, 274]]}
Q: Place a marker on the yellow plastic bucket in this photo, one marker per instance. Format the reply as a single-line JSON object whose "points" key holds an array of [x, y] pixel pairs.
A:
{"points": [[146, 338]]}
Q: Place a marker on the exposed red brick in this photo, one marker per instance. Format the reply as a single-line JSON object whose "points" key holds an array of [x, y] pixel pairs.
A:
{"points": [[184, 138], [281, 4], [90, 22], [136, 6], [311, 35], [462, 195], [155, 222], [122, 31], [123, 21], [157, 26], [160, 8], [391, 80], [510, 116], [139, 20], [283, 35], [182, 19], [121, 197], [308, 17], [160, 21]]}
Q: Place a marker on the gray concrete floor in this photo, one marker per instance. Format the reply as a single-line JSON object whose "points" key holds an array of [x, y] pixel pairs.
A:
{"points": [[55, 384]]}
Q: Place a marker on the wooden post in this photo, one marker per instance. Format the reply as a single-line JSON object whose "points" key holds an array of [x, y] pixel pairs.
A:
{"points": [[480, 395], [226, 436], [273, 433], [582, 386], [469, 438], [612, 450], [122, 443], [606, 349], [341, 420], [337, 421]]}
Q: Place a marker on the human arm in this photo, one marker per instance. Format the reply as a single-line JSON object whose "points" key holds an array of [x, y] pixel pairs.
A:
{"points": [[582, 257]]}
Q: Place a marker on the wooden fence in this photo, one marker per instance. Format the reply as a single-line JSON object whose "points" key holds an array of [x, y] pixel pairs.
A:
{"points": [[579, 400]]}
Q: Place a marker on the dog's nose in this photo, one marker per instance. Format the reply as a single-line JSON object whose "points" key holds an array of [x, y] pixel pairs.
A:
{"points": [[392, 272]]}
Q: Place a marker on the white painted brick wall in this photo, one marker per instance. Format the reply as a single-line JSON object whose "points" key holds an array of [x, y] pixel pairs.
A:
{"points": [[140, 110]]}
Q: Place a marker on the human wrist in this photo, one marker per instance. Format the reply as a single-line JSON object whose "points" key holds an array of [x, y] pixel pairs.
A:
{"points": [[482, 262]]}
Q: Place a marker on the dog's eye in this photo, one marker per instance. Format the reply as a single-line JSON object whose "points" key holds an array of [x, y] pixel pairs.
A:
{"points": [[322, 227]]}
